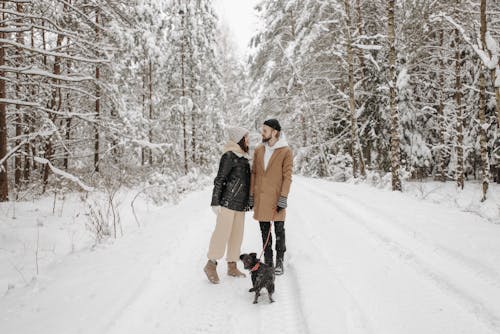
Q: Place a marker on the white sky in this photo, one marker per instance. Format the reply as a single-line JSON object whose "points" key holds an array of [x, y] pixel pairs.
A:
{"points": [[240, 16]]}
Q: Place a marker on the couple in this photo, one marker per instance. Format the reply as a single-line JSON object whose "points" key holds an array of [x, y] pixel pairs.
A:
{"points": [[236, 190]]}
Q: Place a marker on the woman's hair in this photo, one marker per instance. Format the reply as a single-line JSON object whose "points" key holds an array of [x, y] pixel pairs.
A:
{"points": [[243, 146]]}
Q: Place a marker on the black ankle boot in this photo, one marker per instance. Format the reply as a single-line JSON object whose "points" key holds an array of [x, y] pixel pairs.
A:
{"points": [[279, 270]]}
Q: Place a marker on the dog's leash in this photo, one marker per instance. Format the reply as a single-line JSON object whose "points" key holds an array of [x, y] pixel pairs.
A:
{"points": [[257, 265]]}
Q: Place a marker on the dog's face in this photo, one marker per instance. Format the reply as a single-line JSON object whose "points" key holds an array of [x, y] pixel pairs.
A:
{"points": [[249, 260]]}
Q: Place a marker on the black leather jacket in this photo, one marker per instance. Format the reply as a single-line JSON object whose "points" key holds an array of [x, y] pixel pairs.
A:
{"points": [[232, 183]]}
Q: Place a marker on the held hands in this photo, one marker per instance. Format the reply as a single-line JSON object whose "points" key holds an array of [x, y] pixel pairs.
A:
{"points": [[281, 204], [250, 202]]}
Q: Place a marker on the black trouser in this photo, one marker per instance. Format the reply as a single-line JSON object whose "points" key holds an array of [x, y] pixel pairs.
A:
{"points": [[279, 230]]}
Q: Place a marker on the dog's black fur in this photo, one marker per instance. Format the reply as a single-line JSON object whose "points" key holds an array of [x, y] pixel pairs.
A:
{"points": [[261, 278]]}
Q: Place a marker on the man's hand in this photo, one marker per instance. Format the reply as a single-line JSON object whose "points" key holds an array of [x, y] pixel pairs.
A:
{"points": [[281, 204]]}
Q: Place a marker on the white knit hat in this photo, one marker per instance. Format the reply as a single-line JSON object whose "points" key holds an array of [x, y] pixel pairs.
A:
{"points": [[235, 133]]}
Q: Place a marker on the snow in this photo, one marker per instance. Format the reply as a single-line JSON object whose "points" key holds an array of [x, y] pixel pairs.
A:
{"points": [[402, 80], [491, 62], [63, 174], [368, 47], [497, 77], [360, 260], [36, 71], [492, 46]]}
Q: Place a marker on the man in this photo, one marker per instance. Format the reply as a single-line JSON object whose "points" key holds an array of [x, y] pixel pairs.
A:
{"points": [[269, 187]]}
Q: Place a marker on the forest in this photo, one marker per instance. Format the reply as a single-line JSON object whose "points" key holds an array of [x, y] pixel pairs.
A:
{"points": [[106, 94]]}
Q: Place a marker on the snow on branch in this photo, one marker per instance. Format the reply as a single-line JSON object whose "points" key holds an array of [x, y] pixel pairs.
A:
{"points": [[368, 47], [144, 143], [14, 30], [50, 53], [19, 102], [83, 116], [62, 173], [36, 71], [58, 30], [82, 14], [10, 153], [489, 62]]}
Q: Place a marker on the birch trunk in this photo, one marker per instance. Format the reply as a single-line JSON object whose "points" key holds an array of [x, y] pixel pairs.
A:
{"points": [[97, 100], [395, 149], [183, 87], [352, 98], [144, 115], [441, 176], [458, 102], [362, 157], [150, 110], [18, 161], [4, 181], [482, 108]]}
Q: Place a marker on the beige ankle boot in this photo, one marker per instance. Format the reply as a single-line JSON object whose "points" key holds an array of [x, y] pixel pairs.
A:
{"points": [[232, 270], [211, 271]]}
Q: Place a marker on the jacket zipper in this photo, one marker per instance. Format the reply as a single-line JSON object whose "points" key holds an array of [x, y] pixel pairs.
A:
{"points": [[238, 190], [234, 188]]}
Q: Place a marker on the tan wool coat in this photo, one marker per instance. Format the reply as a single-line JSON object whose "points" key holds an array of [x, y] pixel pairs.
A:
{"points": [[268, 185]]}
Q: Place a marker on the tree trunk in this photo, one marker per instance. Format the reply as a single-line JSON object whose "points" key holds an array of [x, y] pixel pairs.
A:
{"points": [[192, 93], [55, 103], [4, 181], [18, 158], [183, 87], [458, 101], [482, 107], [31, 150], [97, 99], [395, 149], [150, 110], [362, 157], [352, 101], [68, 120], [441, 175], [144, 115], [193, 136], [497, 94]]}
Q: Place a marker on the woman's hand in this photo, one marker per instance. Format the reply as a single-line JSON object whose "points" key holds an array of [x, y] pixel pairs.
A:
{"points": [[216, 209]]}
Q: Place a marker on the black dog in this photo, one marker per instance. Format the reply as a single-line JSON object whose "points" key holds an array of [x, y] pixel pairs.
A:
{"points": [[262, 275]]}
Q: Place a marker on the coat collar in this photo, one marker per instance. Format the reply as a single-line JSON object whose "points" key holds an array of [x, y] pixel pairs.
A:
{"points": [[231, 146], [271, 160], [282, 142]]}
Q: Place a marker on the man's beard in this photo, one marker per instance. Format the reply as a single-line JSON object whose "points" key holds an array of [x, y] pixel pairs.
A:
{"points": [[265, 140]]}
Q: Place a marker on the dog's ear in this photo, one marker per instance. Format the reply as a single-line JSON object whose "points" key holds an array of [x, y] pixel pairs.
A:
{"points": [[253, 255], [242, 256]]}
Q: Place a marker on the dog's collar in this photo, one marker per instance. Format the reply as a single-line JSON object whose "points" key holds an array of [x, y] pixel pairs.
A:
{"points": [[256, 267]]}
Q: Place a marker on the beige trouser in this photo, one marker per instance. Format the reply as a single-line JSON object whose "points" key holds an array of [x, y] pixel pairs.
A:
{"points": [[228, 231]]}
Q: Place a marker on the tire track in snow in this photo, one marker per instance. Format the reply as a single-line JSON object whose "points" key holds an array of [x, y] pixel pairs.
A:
{"points": [[353, 318], [174, 286], [472, 304], [175, 297], [485, 272], [144, 297], [285, 314]]}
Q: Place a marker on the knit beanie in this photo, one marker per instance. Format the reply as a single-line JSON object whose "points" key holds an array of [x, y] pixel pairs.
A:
{"points": [[273, 123], [235, 133]]}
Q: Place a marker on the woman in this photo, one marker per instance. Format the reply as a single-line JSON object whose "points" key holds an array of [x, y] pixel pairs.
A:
{"points": [[229, 203]]}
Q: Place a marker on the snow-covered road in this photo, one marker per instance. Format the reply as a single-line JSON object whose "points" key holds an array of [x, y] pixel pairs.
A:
{"points": [[359, 260]]}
